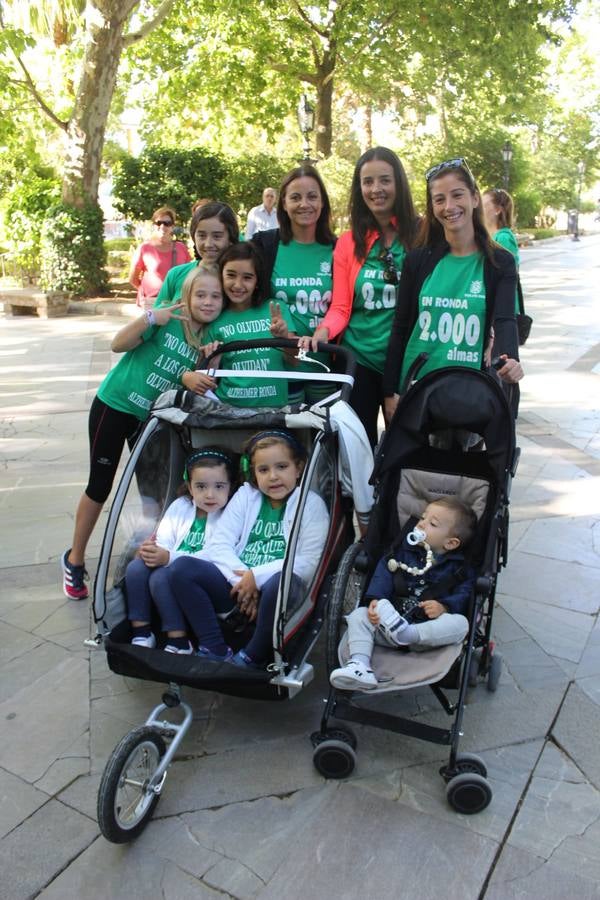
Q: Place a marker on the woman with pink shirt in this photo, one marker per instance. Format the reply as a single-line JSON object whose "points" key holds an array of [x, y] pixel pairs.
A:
{"points": [[153, 259], [367, 262]]}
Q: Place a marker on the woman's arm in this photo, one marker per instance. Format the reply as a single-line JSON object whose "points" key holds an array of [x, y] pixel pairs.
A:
{"points": [[137, 269], [130, 336], [406, 304]]}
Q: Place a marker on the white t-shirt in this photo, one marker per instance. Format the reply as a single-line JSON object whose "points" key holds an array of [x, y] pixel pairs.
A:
{"points": [[260, 220]]}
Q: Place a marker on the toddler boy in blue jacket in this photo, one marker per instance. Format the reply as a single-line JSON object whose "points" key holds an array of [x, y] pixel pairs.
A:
{"points": [[437, 583]]}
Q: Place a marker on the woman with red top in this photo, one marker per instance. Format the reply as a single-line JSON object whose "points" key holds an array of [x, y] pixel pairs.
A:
{"points": [[367, 262], [153, 259]]}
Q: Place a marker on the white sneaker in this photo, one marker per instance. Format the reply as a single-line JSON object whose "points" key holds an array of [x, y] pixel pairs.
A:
{"points": [[149, 641], [354, 676], [391, 623], [186, 651]]}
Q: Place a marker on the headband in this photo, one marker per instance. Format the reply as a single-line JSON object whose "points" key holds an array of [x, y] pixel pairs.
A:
{"points": [[205, 454], [282, 435]]}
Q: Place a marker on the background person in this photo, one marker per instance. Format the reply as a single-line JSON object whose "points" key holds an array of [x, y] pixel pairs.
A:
{"points": [[367, 263], [154, 258], [454, 289], [264, 216]]}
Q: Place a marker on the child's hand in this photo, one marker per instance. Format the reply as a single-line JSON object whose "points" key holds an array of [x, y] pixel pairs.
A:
{"points": [[162, 314], [198, 382], [279, 328], [372, 613], [433, 608], [209, 348], [153, 555], [245, 591]]}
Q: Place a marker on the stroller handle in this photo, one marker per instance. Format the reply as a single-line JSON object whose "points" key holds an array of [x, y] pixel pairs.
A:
{"points": [[286, 343]]}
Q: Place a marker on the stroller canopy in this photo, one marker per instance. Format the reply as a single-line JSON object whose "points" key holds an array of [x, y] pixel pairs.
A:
{"points": [[455, 399]]}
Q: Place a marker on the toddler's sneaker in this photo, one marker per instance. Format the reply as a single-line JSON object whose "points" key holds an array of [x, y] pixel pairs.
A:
{"points": [[73, 579], [182, 651], [205, 653], [144, 640], [243, 661], [354, 676], [392, 624]]}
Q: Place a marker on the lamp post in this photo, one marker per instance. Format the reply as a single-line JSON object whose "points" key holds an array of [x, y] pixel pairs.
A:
{"points": [[580, 171], [507, 154], [306, 124]]}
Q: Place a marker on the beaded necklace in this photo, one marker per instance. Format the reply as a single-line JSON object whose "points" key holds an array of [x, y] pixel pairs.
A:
{"points": [[414, 538]]}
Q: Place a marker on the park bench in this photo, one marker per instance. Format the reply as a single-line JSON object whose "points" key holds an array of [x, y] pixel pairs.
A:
{"points": [[34, 302]]}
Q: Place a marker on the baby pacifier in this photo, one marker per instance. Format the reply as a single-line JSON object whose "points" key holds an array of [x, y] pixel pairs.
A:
{"points": [[416, 536]]}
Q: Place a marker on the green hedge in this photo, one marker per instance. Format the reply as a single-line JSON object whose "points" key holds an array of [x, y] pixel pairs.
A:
{"points": [[72, 250]]}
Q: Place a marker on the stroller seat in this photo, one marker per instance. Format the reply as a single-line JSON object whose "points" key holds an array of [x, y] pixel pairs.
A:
{"points": [[397, 671]]}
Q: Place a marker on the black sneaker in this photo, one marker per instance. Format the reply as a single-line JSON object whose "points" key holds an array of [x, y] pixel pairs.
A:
{"points": [[73, 579]]}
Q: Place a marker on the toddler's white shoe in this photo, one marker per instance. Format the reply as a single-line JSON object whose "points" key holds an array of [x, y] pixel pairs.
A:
{"points": [[391, 623], [354, 676], [181, 651]]}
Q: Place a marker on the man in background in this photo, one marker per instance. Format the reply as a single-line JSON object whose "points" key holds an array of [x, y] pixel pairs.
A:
{"points": [[264, 216]]}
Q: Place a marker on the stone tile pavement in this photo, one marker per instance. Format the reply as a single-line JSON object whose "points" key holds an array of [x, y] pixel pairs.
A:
{"points": [[244, 814]]}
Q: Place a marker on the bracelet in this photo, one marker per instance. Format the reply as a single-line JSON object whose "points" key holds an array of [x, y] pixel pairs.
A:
{"points": [[150, 317]]}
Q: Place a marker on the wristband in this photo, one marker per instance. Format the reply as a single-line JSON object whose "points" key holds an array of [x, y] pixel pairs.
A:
{"points": [[150, 317]]}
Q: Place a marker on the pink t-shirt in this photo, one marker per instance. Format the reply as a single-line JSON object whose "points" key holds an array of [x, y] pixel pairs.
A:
{"points": [[154, 264]]}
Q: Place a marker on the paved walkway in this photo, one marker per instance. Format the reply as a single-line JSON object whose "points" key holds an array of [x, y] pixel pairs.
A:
{"points": [[244, 814]]}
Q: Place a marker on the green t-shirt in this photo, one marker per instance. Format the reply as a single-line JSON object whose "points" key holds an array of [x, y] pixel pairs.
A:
{"points": [[194, 539], [370, 325], [170, 291], [143, 373], [506, 238], [266, 540], [250, 324], [451, 318], [302, 279]]}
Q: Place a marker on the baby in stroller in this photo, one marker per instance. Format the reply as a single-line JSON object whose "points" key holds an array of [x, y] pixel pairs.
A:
{"points": [[430, 585]]}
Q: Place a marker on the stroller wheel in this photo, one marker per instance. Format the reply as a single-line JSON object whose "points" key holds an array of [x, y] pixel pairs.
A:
{"points": [[334, 759], [339, 733], [125, 799], [469, 762], [468, 793], [473, 676], [494, 672]]}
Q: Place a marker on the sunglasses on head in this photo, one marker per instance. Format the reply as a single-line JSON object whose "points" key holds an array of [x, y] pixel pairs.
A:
{"points": [[458, 163], [390, 272], [166, 222]]}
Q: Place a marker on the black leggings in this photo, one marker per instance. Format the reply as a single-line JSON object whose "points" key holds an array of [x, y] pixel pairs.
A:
{"points": [[108, 430], [366, 399]]}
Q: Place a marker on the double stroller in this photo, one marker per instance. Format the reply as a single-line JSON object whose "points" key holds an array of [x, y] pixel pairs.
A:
{"points": [[452, 434], [338, 455]]}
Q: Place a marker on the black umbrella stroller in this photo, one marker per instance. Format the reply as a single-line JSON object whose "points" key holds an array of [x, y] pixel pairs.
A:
{"points": [[453, 434], [181, 422]]}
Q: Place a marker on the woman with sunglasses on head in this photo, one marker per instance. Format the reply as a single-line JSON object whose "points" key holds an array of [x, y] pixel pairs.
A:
{"points": [[154, 258], [298, 261], [456, 286], [213, 228], [367, 262]]}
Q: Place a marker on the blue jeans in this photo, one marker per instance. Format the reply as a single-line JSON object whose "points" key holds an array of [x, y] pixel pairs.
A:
{"points": [[148, 587], [204, 594]]}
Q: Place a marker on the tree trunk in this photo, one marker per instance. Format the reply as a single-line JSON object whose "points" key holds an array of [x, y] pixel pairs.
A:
{"points": [[106, 21], [325, 103]]}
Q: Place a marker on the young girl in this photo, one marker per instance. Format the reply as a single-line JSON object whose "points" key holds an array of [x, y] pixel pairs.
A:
{"points": [[183, 531], [248, 317], [247, 550], [159, 347]]}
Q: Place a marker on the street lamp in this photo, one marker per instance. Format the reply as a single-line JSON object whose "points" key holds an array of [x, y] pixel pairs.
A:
{"points": [[580, 171], [507, 154], [306, 124]]}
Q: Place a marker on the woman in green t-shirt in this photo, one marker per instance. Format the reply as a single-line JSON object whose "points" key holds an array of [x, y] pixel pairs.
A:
{"points": [[298, 261], [367, 262], [454, 289]]}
